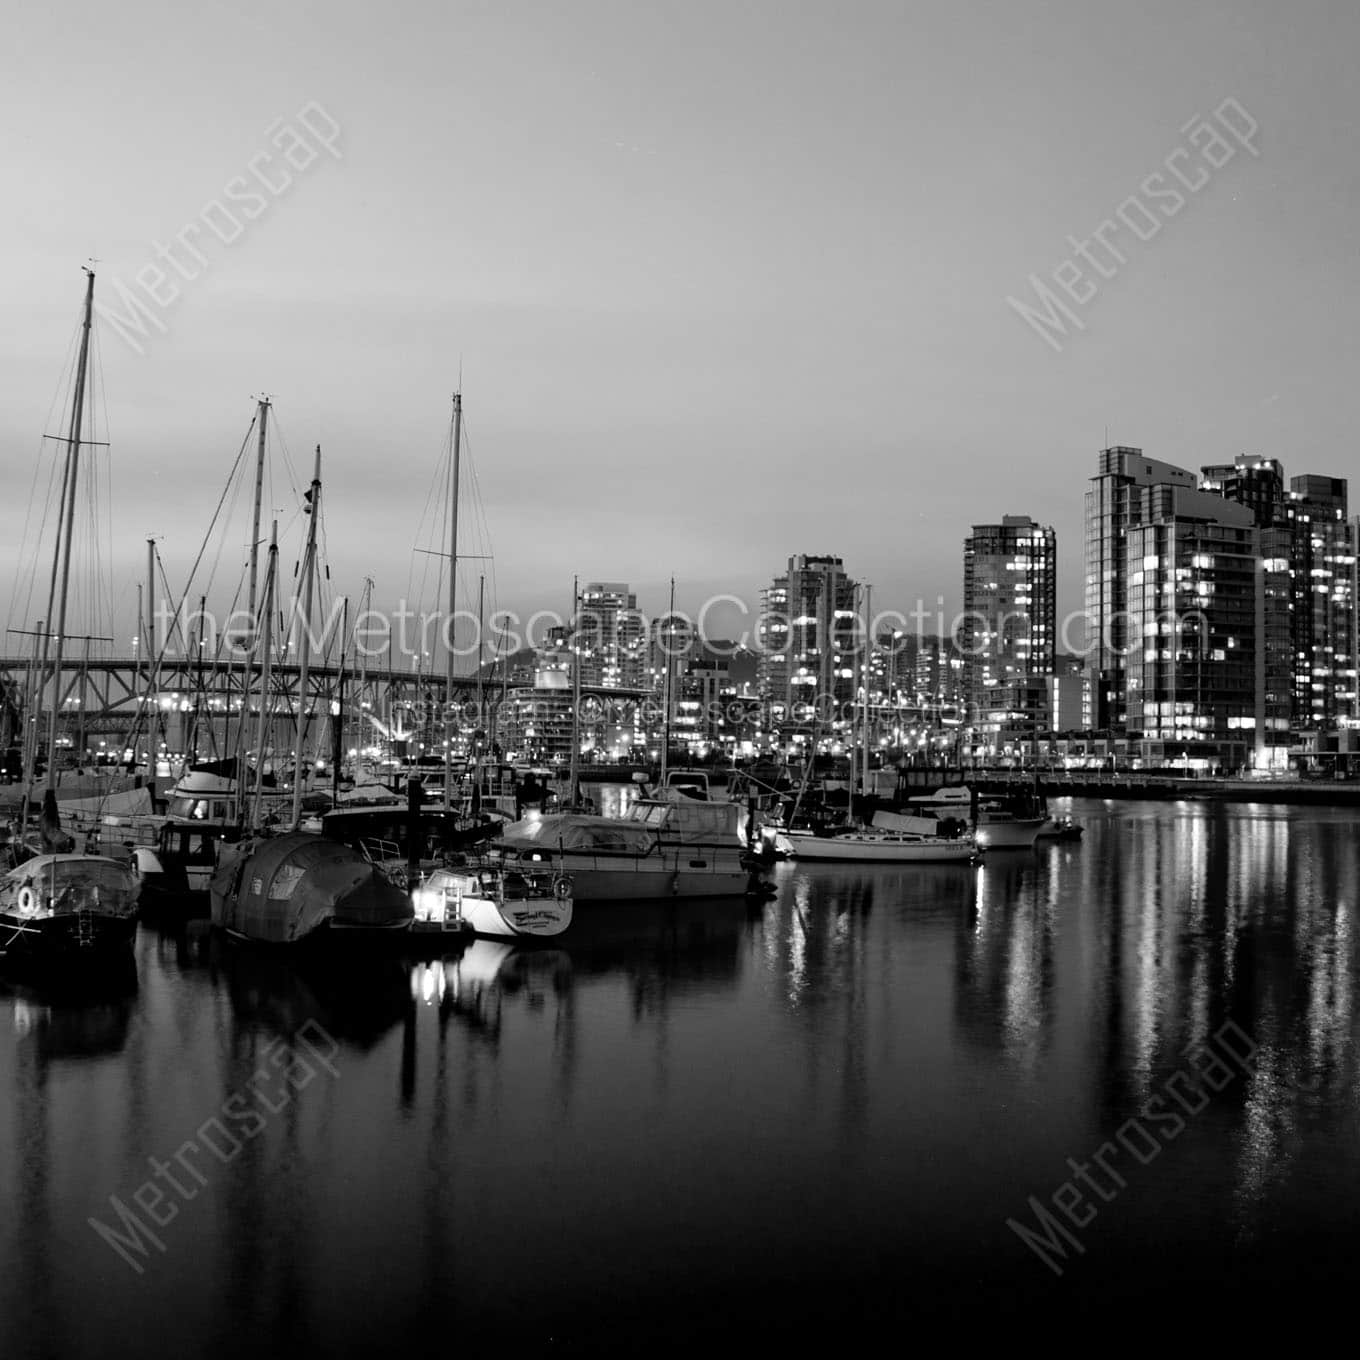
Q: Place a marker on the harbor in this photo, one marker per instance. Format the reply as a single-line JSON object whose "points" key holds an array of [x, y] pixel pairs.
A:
{"points": [[868, 1080], [678, 679]]}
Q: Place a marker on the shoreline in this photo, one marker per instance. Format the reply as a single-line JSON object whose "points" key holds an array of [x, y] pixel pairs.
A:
{"points": [[1147, 788]]}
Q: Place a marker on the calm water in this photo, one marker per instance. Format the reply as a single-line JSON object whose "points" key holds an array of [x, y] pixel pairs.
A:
{"points": [[694, 1123]]}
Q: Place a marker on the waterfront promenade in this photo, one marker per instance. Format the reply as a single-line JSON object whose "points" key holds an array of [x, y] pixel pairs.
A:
{"points": [[1091, 784]]}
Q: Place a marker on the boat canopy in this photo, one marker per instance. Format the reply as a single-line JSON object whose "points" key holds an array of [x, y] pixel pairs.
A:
{"points": [[688, 820], [579, 831], [68, 882]]}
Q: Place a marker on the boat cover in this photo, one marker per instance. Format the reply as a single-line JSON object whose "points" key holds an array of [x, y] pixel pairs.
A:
{"points": [[281, 889], [579, 831]]}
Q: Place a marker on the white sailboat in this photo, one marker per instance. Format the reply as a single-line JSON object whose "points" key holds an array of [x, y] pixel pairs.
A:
{"points": [[493, 902], [55, 905], [875, 843]]}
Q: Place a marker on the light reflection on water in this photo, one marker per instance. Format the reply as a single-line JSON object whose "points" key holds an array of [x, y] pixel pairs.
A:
{"points": [[855, 1082]]}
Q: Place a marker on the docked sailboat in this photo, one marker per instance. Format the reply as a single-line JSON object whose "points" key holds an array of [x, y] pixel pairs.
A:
{"points": [[57, 909], [878, 845], [880, 841], [493, 901], [56, 905], [285, 889]]}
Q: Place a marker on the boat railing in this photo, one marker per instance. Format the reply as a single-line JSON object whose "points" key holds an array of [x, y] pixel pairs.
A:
{"points": [[379, 851]]}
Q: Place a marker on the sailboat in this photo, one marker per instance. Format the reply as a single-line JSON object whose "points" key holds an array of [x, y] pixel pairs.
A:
{"points": [[285, 889], [56, 904], [875, 843], [210, 804], [487, 898]]}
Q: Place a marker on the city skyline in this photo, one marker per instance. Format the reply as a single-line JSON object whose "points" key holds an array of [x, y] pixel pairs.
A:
{"points": [[665, 342]]}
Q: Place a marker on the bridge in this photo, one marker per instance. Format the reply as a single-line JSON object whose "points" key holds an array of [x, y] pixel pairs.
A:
{"points": [[114, 696]]}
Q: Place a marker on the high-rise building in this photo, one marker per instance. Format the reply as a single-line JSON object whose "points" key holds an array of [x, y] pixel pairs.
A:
{"points": [[1009, 621], [1193, 673], [1113, 504], [1323, 565], [930, 676], [1308, 550], [612, 637], [807, 635], [1258, 484]]}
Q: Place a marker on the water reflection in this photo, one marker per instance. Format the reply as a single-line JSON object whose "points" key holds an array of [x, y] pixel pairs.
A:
{"points": [[857, 1080], [72, 1019]]}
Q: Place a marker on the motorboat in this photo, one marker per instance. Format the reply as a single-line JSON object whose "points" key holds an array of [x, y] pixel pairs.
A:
{"points": [[664, 847], [1061, 829]]}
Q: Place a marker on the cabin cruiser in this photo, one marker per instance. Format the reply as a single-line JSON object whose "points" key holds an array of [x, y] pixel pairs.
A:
{"points": [[664, 847]]}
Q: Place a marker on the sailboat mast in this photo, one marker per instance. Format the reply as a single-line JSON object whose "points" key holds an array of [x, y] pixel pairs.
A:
{"points": [[481, 687], [666, 689], [481, 624], [255, 519], [868, 671], [67, 524], [32, 690], [364, 695], [266, 641], [454, 479], [338, 717], [304, 665], [154, 726], [198, 680], [574, 769]]}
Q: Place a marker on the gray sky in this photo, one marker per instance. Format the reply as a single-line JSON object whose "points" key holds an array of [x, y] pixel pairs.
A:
{"points": [[726, 282]]}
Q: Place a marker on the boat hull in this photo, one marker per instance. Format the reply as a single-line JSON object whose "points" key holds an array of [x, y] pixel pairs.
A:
{"points": [[644, 884], [531, 917], [59, 940], [878, 850], [1020, 834]]}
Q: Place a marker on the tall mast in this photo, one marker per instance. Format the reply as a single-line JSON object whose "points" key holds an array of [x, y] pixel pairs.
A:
{"points": [[481, 688], [154, 724], [666, 691], [32, 693], [868, 670], [198, 679], [338, 714], [67, 523], [255, 520], [574, 769], [265, 640], [363, 680], [313, 509], [481, 623], [453, 601]]}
